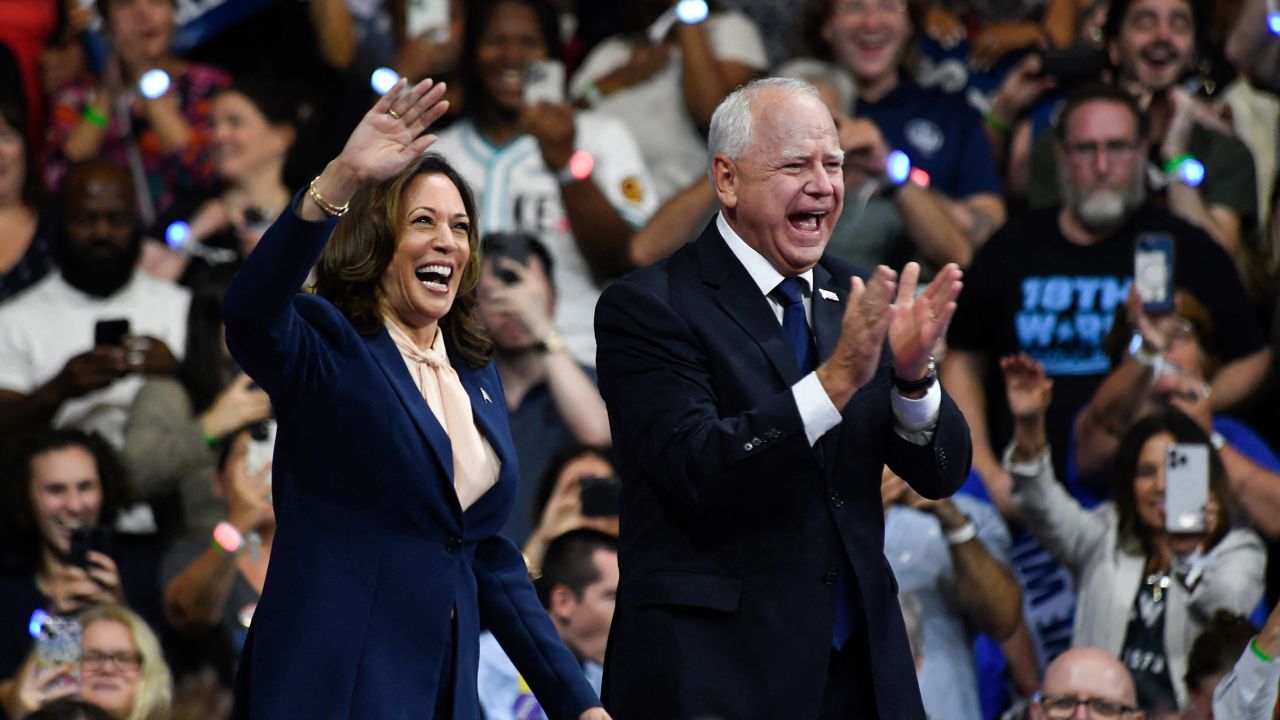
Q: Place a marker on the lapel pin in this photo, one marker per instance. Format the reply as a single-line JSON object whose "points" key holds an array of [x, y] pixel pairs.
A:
{"points": [[827, 294], [485, 394]]}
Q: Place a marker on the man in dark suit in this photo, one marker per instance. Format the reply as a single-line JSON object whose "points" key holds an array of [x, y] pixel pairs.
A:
{"points": [[752, 410]]}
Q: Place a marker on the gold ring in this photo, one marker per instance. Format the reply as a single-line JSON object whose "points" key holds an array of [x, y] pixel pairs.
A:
{"points": [[393, 114]]}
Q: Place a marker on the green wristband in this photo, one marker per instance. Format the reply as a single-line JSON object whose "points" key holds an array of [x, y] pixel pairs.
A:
{"points": [[1171, 166], [1253, 645], [996, 123], [91, 115], [209, 440]]}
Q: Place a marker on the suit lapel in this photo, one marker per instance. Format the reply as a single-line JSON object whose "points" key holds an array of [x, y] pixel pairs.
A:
{"points": [[392, 365], [828, 315], [738, 295], [483, 402]]}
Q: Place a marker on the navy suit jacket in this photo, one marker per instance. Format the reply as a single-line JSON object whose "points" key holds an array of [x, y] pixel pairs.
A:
{"points": [[733, 527], [373, 552]]}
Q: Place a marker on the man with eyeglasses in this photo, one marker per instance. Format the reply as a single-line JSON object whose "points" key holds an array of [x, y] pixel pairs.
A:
{"points": [[1153, 47], [1086, 683], [1049, 283]]}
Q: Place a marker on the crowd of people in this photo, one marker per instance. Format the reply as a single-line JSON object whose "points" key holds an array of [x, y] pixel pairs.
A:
{"points": [[1044, 148]]}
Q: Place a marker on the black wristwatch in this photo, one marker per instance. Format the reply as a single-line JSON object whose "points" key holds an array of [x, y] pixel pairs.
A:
{"points": [[907, 387]]}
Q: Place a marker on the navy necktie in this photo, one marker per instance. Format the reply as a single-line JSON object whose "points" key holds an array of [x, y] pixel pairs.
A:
{"points": [[795, 326]]}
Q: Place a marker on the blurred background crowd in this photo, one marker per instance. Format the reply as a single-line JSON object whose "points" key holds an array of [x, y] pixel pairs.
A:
{"points": [[146, 146]]}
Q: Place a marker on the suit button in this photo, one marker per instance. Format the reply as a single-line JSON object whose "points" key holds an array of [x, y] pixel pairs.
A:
{"points": [[757, 441], [453, 546], [836, 498], [830, 579], [748, 447]]}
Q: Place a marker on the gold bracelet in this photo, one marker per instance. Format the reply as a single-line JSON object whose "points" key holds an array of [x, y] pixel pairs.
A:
{"points": [[329, 208]]}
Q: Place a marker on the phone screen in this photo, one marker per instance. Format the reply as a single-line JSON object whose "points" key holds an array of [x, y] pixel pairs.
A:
{"points": [[261, 448], [600, 496], [1153, 271], [110, 333], [513, 246], [544, 82], [84, 539], [423, 16], [1186, 487], [58, 649]]}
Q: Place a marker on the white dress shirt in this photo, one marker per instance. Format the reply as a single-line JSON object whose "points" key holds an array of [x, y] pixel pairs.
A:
{"points": [[915, 419]]}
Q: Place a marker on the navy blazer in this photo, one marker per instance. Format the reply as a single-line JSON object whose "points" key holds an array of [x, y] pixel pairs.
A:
{"points": [[373, 553], [733, 527]]}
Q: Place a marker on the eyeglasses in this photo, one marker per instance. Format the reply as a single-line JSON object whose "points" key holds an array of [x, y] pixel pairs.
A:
{"points": [[1062, 707], [866, 7], [1114, 149], [125, 661]]}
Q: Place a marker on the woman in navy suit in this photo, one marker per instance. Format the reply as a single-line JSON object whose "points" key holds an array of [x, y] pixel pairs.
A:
{"points": [[394, 466]]}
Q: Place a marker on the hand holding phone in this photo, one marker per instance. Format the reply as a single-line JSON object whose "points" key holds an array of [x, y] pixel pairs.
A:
{"points": [[513, 246], [57, 657]]}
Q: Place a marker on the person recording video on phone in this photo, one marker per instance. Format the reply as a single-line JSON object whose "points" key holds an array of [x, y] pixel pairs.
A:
{"points": [[552, 398], [1048, 284], [59, 556], [75, 347], [1170, 360], [578, 489], [394, 468], [575, 179], [1167, 533]]}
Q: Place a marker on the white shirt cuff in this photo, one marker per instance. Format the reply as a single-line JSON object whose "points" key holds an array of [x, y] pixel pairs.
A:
{"points": [[817, 412], [917, 419]]}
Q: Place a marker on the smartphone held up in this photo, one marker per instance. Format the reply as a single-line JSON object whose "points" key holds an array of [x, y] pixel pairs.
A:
{"points": [[1186, 488]]}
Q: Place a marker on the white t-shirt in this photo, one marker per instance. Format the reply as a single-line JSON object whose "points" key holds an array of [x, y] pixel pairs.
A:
{"points": [[675, 150], [52, 322], [515, 191]]}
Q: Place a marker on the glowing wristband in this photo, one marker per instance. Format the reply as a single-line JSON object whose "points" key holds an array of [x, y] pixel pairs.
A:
{"points": [[579, 168], [1217, 440], [227, 538], [1253, 645], [209, 440], [1185, 168], [996, 123], [93, 117]]}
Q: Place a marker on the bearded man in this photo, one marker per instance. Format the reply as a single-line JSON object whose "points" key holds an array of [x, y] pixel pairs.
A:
{"points": [[54, 363], [1049, 283]]}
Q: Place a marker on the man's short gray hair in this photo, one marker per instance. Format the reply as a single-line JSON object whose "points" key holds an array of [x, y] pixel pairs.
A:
{"points": [[731, 124]]}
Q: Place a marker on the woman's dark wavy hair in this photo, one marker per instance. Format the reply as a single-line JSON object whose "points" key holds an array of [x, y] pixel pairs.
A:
{"points": [[1184, 430], [350, 270], [24, 542], [479, 12]]}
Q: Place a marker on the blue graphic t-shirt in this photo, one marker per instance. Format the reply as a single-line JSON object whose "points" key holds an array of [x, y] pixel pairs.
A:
{"points": [[1031, 290]]}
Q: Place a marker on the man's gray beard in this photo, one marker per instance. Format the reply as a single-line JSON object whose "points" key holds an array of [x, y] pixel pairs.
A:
{"points": [[1103, 209]]}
